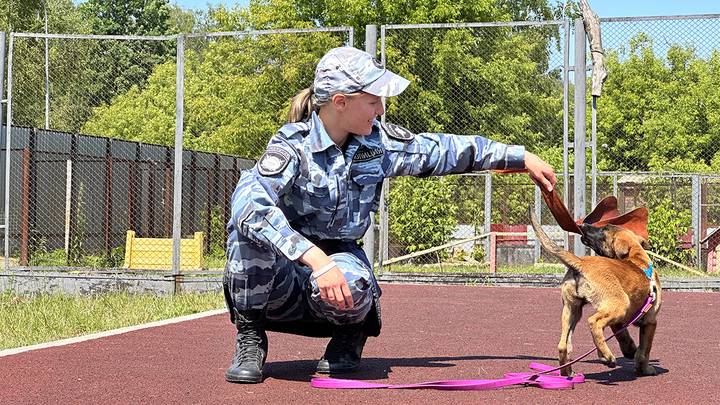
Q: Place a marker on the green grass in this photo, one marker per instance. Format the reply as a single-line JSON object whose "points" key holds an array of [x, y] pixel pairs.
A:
{"points": [[27, 320]]}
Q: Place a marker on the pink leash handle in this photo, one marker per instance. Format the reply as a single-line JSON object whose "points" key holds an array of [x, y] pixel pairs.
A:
{"points": [[546, 377]]}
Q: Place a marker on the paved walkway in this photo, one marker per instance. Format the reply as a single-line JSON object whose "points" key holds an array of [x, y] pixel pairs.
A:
{"points": [[430, 333]]}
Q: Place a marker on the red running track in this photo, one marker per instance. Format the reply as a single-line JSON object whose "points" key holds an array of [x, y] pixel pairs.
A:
{"points": [[430, 333]]}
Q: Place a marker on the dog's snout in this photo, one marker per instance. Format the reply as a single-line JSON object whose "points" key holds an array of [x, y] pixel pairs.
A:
{"points": [[589, 230]]}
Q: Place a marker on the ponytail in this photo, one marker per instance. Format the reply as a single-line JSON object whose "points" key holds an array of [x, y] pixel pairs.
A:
{"points": [[302, 106]]}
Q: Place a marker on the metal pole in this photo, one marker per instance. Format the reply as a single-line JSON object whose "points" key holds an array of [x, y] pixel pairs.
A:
{"points": [[6, 184], [579, 141], [696, 220], [566, 121], [47, 74], [384, 225], [538, 215], [351, 36], [8, 153], [177, 184], [593, 168], [369, 238], [615, 185], [488, 210]]}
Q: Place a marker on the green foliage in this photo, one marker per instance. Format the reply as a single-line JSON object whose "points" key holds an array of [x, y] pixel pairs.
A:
{"points": [[660, 113], [42, 257], [238, 89], [127, 17], [237, 94], [77, 238], [422, 211], [217, 235], [478, 252], [665, 225]]}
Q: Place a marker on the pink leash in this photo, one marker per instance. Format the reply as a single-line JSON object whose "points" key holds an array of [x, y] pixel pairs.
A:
{"points": [[545, 376]]}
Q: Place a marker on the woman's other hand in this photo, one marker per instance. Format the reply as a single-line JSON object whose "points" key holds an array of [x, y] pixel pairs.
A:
{"points": [[540, 172]]}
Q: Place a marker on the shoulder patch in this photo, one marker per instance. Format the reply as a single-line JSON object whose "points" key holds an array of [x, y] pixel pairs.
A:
{"points": [[398, 132], [273, 161]]}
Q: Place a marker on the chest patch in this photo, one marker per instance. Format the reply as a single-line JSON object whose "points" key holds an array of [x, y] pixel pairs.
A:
{"points": [[273, 161], [398, 132], [365, 154]]}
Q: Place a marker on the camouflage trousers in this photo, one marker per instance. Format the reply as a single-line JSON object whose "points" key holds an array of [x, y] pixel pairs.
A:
{"points": [[259, 278]]}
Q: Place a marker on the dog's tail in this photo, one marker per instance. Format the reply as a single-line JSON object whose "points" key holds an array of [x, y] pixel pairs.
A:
{"points": [[551, 247]]}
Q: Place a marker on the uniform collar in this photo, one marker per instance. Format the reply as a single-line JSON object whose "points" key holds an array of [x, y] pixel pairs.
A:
{"points": [[319, 138]]}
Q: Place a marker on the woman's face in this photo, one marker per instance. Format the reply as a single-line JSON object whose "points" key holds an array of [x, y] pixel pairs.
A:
{"points": [[360, 111]]}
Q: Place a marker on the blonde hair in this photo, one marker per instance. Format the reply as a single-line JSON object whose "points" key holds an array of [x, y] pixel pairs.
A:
{"points": [[302, 106], [304, 103]]}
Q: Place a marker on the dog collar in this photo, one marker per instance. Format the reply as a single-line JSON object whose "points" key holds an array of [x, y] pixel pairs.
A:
{"points": [[649, 271]]}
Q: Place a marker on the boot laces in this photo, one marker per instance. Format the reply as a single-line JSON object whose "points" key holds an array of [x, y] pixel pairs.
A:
{"points": [[248, 344]]}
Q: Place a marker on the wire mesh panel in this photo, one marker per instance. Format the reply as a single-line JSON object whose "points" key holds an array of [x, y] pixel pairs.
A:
{"points": [[658, 114], [238, 88], [500, 80], [74, 197], [657, 108]]}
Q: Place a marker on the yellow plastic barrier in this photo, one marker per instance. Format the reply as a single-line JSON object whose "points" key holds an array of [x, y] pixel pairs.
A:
{"points": [[156, 253]]}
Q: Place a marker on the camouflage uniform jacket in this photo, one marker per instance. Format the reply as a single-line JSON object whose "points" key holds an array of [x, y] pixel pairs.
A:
{"points": [[306, 188]]}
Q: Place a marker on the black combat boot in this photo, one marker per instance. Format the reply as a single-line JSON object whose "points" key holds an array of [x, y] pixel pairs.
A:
{"points": [[343, 353], [250, 350]]}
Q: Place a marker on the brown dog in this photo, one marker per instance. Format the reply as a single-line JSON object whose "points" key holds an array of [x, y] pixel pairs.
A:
{"points": [[615, 285]]}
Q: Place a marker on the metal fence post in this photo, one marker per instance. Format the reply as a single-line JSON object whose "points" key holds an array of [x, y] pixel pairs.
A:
{"points": [[566, 120], [696, 220], [5, 172], [538, 215], [384, 244], [8, 152], [369, 238], [488, 210], [579, 138], [177, 184]]}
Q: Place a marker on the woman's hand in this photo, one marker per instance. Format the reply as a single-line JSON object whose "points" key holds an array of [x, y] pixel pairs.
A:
{"points": [[330, 281], [540, 172], [334, 289]]}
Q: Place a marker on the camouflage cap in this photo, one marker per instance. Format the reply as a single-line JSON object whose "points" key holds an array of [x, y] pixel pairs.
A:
{"points": [[349, 70]]}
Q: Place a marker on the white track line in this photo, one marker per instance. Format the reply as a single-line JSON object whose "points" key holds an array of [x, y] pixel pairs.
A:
{"points": [[63, 342]]}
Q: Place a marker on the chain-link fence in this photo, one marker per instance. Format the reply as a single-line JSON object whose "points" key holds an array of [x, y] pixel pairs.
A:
{"points": [[74, 197], [657, 119], [108, 200], [238, 88], [505, 81], [657, 111]]}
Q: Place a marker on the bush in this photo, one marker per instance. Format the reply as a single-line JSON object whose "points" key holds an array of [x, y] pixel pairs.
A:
{"points": [[422, 211], [665, 225]]}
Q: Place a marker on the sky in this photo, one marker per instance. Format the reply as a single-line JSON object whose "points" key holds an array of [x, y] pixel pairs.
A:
{"points": [[604, 8]]}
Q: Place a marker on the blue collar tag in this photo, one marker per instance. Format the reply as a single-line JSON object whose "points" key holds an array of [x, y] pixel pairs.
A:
{"points": [[649, 271]]}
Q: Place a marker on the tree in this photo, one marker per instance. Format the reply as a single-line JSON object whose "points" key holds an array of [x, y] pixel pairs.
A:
{"points": [[660, 113], [29, 55]]}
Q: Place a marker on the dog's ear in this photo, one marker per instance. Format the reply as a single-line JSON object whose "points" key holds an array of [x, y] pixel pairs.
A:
{"points": [[644, 243], [621, 246]]}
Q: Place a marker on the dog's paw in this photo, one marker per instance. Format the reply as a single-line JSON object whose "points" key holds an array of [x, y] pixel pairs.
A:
{"points": [[647, 370], [567, 372], [609, 361], [628, 351]]}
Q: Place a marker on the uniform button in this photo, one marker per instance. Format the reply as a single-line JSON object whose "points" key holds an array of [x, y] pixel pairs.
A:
{"points": [[292, 250]]}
